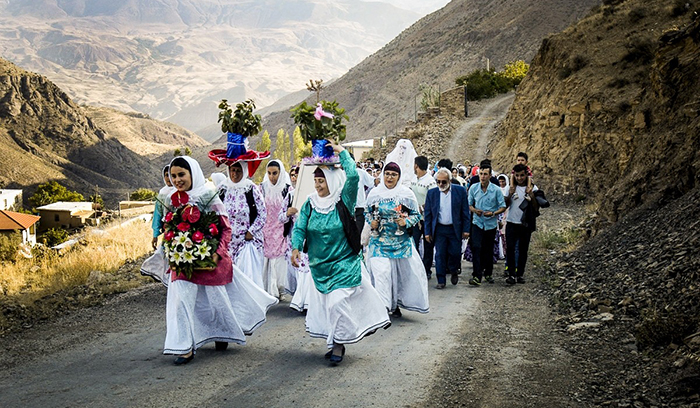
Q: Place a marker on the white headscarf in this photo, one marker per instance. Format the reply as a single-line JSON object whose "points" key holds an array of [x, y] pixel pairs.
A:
{"points": [[400, 194], [245, 183], [275, 190], [200, 193], [335, 179], [505, 189], [167, 190], [404, 155]]}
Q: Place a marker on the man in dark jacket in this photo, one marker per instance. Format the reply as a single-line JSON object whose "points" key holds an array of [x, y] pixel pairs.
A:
{"points": [[447, 222]]}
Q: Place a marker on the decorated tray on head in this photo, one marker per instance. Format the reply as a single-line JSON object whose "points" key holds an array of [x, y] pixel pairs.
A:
{"points": [[239, 124], [318, 125]]}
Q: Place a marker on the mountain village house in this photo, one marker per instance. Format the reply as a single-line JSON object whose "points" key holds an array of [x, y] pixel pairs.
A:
{"points": [[10, 200], [25, 224], [66, 215]]}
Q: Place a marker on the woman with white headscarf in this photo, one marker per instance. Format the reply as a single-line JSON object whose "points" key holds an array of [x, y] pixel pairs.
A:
{"points": [[392, 258], [345, 307], [156, 266], [275, 187], [220, 305], [245, 207], [299, 282]]}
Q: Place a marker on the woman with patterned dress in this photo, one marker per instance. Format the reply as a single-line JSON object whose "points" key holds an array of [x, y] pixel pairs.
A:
{"points": [[392, 258], [245, 208], [221, 305], [275, 188], [345, 307]]}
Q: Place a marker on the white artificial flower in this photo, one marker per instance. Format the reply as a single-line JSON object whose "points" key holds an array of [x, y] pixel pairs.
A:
{"points": [[187, 256], [202, 250], [181, 238], [176, 257]]}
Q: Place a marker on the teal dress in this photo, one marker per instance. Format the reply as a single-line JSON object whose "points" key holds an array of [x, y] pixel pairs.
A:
{"points": [[333, 264]]}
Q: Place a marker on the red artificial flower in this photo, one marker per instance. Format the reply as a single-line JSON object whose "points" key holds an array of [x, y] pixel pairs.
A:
{"points": [[197, 237], [180, 198], [169, 216], [191, 214], [169, 236], [183, 226], [213, 230]]}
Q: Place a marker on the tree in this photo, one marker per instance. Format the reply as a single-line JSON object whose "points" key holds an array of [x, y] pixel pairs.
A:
{"points": [[301, 149], [188, 151], [52, 192], [177, 152], [282, 148], [97, 199], [55, 236], [143, 194], [515, 71], [263, 145]]}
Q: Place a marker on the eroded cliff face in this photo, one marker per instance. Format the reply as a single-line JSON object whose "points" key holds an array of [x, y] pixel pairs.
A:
{"points": [[45, 136], [609, 112]]}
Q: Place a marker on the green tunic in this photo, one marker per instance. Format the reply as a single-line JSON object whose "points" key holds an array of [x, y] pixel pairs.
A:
{"points": [[332, 263]]}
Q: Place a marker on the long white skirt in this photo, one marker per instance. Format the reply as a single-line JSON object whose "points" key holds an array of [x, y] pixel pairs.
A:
{"points": [[156, 266], [346, 315], [302, 294], [401, 282], [200, 314], [275, 275], [250, 261]]}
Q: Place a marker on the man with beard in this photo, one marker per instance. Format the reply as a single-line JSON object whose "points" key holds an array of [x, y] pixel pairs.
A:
{"points": [[446, 224]]}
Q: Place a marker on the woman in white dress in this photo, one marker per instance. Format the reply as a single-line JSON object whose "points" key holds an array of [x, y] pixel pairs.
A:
{"points": [[221, 305], [392, 258]]}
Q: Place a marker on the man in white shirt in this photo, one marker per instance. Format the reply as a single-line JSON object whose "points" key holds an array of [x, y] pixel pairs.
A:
{"points": [[518, 232], [420, 188]]}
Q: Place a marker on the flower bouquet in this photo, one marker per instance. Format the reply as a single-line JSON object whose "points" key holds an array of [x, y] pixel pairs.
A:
{"points": [[191, 236], [316, 124]]}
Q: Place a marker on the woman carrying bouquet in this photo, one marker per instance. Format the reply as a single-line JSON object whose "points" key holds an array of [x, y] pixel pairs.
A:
{"points": [[345, 307], [393, 261], [218, 304]]}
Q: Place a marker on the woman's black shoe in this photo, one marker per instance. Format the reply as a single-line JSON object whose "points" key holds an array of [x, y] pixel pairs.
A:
{"points": [[335, 359], [220, 345], [396, 312], [183, 360]]}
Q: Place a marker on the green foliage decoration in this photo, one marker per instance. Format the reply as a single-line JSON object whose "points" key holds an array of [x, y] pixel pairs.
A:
{"points": [[52, 192], [242, 120], [326, 128]]}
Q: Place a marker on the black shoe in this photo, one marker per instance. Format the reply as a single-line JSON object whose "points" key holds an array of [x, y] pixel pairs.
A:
{"points": [[475, 281], [335, 359], [429, 276], [489, 279], [454, 278], [328, 355], [396, 312], [181, 360], [220, 345], [510, 280], [440, 286], [520, 279]]}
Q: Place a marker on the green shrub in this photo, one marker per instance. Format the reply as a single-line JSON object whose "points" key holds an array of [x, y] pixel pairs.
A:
{"points": [[55, 236], [143, 194], [9, 245]]}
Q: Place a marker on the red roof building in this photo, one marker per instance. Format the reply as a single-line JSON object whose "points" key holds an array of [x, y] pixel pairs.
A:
{"points": [[11, 221]]}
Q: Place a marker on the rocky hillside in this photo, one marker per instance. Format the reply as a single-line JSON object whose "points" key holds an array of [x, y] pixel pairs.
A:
{"points": [[45, 136], [610, 111], [379, 93]]}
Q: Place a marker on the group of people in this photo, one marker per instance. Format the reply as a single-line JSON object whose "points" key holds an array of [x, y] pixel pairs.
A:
{"points": [[357, 249]]}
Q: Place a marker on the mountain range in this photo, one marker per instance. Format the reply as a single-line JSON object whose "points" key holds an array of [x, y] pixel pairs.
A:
{"points": [[175, 59], [381, 93]]}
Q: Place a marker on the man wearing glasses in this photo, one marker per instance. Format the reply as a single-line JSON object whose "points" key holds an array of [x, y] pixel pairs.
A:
{"points": [[447, 221]]}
